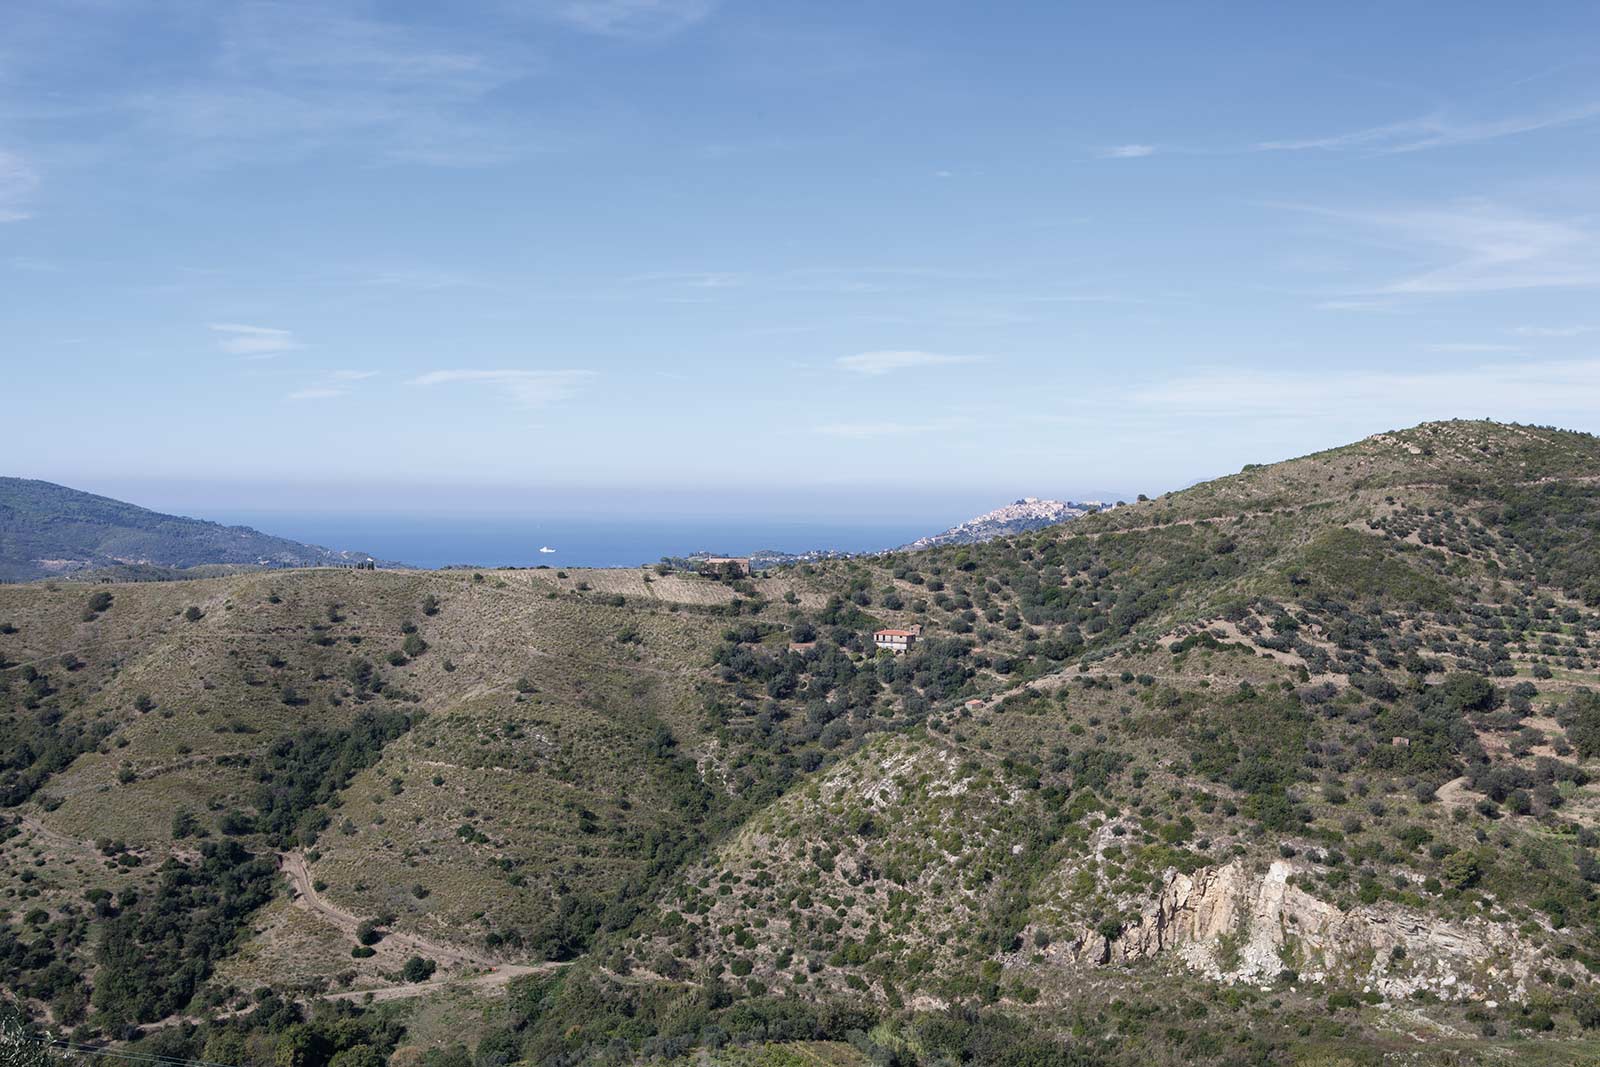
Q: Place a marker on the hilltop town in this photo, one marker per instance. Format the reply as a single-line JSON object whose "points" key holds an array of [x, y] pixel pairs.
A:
{"points": [[1020, 516]]}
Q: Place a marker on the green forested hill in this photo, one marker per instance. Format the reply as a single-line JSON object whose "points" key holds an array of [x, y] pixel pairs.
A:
{"points": [[1296, 766], [49, 529]]}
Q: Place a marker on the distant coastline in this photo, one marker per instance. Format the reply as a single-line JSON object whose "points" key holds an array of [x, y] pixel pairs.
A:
{"points": [[497, 541]]}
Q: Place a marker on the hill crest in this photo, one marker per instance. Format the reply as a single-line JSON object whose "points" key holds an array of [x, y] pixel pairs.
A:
{"points": [[48, 529]]}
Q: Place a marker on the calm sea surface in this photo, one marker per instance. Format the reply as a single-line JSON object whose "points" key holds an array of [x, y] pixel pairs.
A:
{"points": [[433, 541]]}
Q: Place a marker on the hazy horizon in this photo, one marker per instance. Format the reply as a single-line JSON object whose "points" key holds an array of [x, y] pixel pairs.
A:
{"points": [[890, 249]]}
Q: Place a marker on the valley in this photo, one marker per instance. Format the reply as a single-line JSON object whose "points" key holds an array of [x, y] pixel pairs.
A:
{"points": [[1294, 766]]}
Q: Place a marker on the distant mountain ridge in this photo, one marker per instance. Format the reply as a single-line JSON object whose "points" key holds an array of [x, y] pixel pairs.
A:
{"points": [[48, 529], [1020, 516]]}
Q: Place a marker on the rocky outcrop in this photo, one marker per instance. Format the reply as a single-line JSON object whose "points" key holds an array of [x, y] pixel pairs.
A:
{"points": [[1234, 922]]}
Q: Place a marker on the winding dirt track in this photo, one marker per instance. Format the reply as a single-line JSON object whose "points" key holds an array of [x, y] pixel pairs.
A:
{"points": [[59, 840], [495, 974], [498, 978], [305, 896]]}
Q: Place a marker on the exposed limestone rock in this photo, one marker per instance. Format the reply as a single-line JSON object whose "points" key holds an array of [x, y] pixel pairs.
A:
{"points": [[1233, 923]]}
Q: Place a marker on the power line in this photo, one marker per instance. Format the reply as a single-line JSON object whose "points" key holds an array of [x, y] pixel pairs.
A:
{"points": [[132, 1057]]}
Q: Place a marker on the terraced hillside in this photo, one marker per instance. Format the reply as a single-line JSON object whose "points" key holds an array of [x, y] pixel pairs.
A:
{"points": [[1291, 767]]}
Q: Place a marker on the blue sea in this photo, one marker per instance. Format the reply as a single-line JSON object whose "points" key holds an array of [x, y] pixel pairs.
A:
{"points": [[501, 541]]}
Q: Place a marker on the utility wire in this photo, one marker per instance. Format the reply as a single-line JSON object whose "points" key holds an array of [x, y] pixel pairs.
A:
{"points": [[132, 1057]]}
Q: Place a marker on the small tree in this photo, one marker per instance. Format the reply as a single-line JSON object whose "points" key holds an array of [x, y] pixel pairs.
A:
{"points": [[417, 969], [1461, 869], [183, 824], [1581, 717], [357, 1056]]}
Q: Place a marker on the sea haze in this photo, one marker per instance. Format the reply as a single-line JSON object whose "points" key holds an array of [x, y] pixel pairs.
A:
{"points": [[501, 541]]}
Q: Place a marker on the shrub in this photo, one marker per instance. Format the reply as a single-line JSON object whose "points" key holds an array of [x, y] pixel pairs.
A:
{"points": [[417, 969]]}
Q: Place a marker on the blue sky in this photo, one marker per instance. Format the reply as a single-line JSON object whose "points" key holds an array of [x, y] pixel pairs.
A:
{"points": [[349, 254]]}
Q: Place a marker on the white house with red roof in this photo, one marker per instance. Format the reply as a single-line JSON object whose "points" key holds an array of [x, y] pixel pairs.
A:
{"points": [[897, 640]]}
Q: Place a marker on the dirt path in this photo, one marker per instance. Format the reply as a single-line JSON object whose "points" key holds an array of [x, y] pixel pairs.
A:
{"points": [[1453, 794], [59, 840], [497, 977], [304, 895]]}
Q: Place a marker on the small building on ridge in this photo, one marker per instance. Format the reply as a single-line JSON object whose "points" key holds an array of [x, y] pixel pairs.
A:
{"points": [[897, 641], [724, 566]]}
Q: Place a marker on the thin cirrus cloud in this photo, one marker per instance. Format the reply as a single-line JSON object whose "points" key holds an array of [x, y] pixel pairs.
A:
{"points": [[284, 80], [863, 431], [338, 384], [1551, 331], [253, 342], [1434, 131], [624, 18], [888, 361], [525, 388], [1126, 151], [17, 183], [690, 279], [1479, 246], [1529, 390]]}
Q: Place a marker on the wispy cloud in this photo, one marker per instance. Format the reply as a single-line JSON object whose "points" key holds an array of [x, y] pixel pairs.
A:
{"points": [[1126, 151], [32, 265], [624, 18], [889, 361], [1552, 331], [526, 388], [280, 80], [419, 279], [254, 342], [1481, 246], [1524, 389], [1434, 131], [18, 181], [707, 279], [861, 431], [335, 384], [1355, 305], [1468, 346]]}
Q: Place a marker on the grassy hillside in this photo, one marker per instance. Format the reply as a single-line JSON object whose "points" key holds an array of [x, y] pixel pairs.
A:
{"points": [[1294, 766], [48, 529]]}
